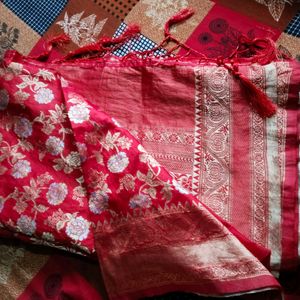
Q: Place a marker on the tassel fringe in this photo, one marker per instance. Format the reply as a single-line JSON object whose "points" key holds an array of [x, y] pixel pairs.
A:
{"points": [[181, 16], [50, 44], [104, 45], [258, 99], [258, 50]]}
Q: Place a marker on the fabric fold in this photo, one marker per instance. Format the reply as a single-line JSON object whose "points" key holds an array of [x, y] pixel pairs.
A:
{"points": [[73, 177], [151, 235]]}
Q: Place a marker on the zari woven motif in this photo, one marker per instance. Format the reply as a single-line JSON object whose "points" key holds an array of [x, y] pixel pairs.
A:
{"points": [[167, 169]]}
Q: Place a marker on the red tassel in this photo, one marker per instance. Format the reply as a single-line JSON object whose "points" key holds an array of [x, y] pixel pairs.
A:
{"points": [[104, 45], [181, 16], [259, 100], [91, 48], [131, 31], [59, 40], [262, 50], [53, 42]]}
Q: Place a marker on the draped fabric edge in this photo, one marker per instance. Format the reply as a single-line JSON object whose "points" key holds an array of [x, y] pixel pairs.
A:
{"points": [[149, 255]]}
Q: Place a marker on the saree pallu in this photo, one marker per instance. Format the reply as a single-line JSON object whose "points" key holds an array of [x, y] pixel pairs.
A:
{"points": [[195, 120], [73, 176]]}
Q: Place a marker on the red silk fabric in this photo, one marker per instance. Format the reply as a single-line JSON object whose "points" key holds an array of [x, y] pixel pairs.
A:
{"points": [[147, 163]]}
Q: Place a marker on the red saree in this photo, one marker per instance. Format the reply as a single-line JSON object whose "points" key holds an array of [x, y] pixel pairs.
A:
{"points": [[74, 177]]}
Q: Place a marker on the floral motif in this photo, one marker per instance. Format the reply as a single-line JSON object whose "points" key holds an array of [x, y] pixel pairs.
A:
{"points": [[211, 178], [54, 145], [15, 68], [223, 40], [216, 203], [150, 183], [218, 25], [21, 169], [217, 142], [173, 137], [21, 96], [8, 37], [205, 38], [48, 236], [159, 135], [68, 164], [20, 206], [97, 180], [30, 193], [43, 96], [79, 113], [9, 257], [160, 11], [26, 225], [98, 202], [82, 150], [127, 182], [185, 181], [4, 99], [118, 162], [23, 128], [56, 117], [92, 137], [217, 111], [215, 171], [179, 187], [113, 141], [57, 193], [73, 159], [75, 98], [5, 73], [84, 31], [77, 228], [79, 194], [32, 81], [56, 220], [45, 74], [140, 201], [276, 7]]}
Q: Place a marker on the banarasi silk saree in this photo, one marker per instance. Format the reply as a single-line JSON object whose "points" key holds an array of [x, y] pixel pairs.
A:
{"points": [[176, 173]]}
